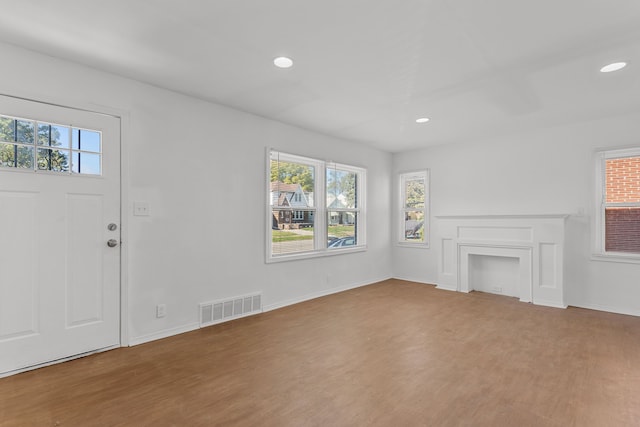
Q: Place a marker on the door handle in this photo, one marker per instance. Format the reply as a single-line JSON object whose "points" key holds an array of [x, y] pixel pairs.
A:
{"points": [[112, 243]]}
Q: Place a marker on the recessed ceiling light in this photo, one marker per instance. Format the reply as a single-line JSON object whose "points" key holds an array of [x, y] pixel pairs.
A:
{"points": [[282, 62], [613, 67], [422, 120]]}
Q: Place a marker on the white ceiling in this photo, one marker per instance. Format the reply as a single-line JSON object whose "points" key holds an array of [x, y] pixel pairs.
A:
{"points": [[364, 69]]}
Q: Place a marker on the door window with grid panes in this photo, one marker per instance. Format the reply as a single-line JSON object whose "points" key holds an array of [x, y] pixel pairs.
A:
{"points": [[40, 146]]}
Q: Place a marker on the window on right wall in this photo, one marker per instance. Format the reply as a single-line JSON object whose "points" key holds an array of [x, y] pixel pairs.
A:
{"points": [[414, 212], [618, 216]]}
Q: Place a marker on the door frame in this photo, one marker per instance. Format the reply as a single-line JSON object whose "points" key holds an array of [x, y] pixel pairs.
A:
{"points": [[124, 117]]}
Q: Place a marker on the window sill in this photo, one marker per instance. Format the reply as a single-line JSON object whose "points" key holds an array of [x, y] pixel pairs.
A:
{"points": [[317, 254], [413, 245], [622, 258]]}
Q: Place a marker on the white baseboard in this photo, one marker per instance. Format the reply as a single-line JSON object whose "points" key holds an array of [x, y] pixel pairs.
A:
{"points": [[320, 294], [600, 307], [548, 304], [163, 334], [409, 279], [446, 288], [193, 326]]}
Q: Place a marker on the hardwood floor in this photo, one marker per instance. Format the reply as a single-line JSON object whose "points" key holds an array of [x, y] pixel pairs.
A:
{"points": [[393, 353]]}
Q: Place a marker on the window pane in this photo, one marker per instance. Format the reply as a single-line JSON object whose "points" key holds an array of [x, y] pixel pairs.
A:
{"points": [[43, 134], [341, 229], [414, 226], [25, 157], [623, 180], [292, 230], [25, 132], [341, 189], [53, 160], [414, 193], [75, 138], [622, 230], [291, 183], [16, 156], [291, 188], [52, 135], [7, 129], [60, 136], [86, 140], [86, 163], [7, 155]]}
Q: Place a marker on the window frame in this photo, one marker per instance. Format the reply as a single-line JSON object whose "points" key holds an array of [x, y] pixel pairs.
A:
{"points": [[599, 253], [319, 208], [403, 177]]}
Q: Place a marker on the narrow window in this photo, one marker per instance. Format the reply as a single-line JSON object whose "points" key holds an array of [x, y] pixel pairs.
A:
{"points": [[414, 219]]}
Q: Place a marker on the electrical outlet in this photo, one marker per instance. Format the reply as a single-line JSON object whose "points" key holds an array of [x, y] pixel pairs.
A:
{"points": [[141, 208], [497, 289], [161, 310]]}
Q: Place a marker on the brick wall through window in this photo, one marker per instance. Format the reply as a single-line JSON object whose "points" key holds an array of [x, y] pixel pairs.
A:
{"points": [[622, 223], [623, 180], [622, 233]]}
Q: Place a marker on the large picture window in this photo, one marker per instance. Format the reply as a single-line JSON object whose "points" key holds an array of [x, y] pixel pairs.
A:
{"points": [[414, 220], [618, 219], [315, 208]]}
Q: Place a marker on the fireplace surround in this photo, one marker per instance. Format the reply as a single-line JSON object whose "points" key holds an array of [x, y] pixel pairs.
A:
{"points": [[536, 241]]}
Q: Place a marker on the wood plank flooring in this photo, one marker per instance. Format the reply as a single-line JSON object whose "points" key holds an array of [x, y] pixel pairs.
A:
{"points": [[394, 353]]}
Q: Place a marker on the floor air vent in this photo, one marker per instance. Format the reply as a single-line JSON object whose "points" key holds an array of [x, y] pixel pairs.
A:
{"points": [[228, 309]]}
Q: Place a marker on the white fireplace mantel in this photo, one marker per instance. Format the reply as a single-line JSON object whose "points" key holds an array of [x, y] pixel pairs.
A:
{"points": [[537, 241]]}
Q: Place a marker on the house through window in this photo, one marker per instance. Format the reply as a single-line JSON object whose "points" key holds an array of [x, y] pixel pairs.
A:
{"points": [[302, 223]]}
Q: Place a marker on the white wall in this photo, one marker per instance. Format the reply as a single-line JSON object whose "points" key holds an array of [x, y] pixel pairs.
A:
{"points": [[197, 164], [192, 248], [547, 171]]}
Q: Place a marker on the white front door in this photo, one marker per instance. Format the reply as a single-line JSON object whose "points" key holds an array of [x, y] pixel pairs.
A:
{"points": [[59, 208]]}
